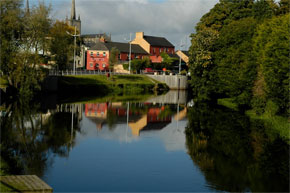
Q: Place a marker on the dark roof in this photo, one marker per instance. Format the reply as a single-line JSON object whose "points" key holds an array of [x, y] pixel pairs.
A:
{"points": [[97, 46], [185, 52], [125, 47], [92, 35], [158, 41], [173, 55], [122, 47]]}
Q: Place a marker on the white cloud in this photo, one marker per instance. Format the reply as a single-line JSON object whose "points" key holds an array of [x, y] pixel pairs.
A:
{"points": [[173, 19]]}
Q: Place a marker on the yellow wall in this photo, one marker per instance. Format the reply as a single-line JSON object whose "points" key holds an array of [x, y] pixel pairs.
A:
{"points": [[141, 42], [184, 57]]}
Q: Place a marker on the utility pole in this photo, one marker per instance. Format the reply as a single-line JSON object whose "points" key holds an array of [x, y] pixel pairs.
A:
{"points": [[181, 45], [130, 51], [75, 43]]}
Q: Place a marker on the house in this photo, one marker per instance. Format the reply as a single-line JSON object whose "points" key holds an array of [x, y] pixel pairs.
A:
{"points": [[94, 38], [97, 57], [184, 55], [154, 46]]}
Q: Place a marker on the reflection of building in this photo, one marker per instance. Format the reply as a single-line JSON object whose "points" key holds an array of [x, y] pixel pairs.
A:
{"points": [[154, 119], [151, 121]]}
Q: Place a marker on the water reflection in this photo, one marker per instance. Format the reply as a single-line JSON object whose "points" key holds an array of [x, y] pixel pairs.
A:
{"points": [[234, 153], [105, 146]]}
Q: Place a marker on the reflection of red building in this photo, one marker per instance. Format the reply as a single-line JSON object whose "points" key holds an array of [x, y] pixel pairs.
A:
{"points": [[153, 116], [96, 110]]}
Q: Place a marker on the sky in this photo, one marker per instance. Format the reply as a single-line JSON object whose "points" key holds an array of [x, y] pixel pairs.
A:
{"points": [[173, 19]]}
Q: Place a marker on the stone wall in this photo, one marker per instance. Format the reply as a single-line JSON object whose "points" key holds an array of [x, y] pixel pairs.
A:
{"points": [[173, 82]]}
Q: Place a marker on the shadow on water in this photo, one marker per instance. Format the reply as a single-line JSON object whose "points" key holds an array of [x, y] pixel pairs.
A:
{"points": [[234, 153]]}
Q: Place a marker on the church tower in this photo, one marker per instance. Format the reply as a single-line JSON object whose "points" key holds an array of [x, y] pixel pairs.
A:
{"points": [[73, 21], [27, 8]]}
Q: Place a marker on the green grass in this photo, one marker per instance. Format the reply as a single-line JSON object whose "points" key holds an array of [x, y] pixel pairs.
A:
{"points": [[100, 85], [274, 124], [229, 103], [102, 79]]}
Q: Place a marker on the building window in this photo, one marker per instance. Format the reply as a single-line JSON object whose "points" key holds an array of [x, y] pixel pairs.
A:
{"points": [[104, 53], [97, 65], [160, 50], [98, 53], [91, 64], [92, 53], [153, 50], [104, 65], [136, 57], [119, 56]]}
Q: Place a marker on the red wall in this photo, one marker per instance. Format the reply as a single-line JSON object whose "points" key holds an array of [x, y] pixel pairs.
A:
{"points": [[170, 50], [97, 61]]}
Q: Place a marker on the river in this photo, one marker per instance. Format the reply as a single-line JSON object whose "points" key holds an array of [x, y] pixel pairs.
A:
{"points": [[161, 143]]}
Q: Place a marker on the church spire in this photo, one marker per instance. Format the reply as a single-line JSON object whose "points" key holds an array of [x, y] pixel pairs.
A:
{"points": [[73, 10], [27, 6]]}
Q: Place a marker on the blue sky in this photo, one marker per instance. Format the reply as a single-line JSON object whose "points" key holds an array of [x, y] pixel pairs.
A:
{"points": [[172, 19]]}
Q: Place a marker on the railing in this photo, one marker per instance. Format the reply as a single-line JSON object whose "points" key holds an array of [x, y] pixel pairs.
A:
{"points": [[99, 72]]}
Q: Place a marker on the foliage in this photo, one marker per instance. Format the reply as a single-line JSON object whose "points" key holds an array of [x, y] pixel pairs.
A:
{"points": [[167, 61], [140, 64], [113, 59], [224, 62], [203, 70], [22, 37], [61, 44], [272, 48]]}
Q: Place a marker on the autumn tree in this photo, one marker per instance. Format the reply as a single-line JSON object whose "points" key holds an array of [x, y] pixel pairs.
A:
{"points": [[113, 58]]}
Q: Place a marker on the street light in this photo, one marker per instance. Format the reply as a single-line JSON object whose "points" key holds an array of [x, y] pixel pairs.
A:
{"points": [[181, 45], [130, 50], [75, 42]]}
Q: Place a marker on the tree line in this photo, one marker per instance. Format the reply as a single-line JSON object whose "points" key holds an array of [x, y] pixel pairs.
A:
{"points": [[28, 39], [240, 50]]}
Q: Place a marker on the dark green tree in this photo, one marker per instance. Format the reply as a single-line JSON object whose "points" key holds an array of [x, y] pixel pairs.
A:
{"points": [[113, 58]]}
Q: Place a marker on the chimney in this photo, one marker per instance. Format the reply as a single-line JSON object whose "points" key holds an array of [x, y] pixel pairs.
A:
{"points": [[139, 35]]}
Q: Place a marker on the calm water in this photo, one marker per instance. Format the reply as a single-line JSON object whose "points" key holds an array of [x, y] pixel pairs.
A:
{"points": [[162, 144]]}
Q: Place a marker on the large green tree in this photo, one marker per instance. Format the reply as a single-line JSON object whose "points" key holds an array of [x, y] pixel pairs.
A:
{"points": [[21, 36], [272, 50]]}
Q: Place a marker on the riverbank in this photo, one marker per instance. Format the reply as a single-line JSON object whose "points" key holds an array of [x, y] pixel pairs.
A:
{"points": [[274, 124], [100, 84]]}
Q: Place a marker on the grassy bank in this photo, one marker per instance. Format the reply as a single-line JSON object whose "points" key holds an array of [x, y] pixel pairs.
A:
{"points": [[274, 124], [101, 85]]}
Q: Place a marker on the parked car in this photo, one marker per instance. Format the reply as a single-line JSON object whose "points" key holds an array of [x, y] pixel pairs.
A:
{"points": [[149, 71]]}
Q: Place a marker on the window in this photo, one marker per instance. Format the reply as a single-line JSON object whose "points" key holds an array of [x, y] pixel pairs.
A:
{"points": [[98, 53], [119, 56], [91, 64], [97, 65], [136, 56], [166, 49], [160, 50], [104, 53], [153, 50], [104, 65], [92, 53]]}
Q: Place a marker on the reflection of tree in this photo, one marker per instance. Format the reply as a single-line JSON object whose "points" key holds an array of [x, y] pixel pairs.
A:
{"points": [[26, 143], [235, 154]]}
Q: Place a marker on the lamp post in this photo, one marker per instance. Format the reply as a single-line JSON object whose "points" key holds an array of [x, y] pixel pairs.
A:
{"points": [[130, 51], [181, 45], [75, 42]]}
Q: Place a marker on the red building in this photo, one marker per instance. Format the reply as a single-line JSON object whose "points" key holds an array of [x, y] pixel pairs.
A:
{"points": [[97, 57], [154, 46]]}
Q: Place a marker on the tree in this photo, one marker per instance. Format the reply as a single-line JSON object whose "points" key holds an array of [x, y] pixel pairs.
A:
{"points": [[271, 46], [167, 61], [19, 62], [235, 61], [113, 58], [202, 68], [61, 44]]}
